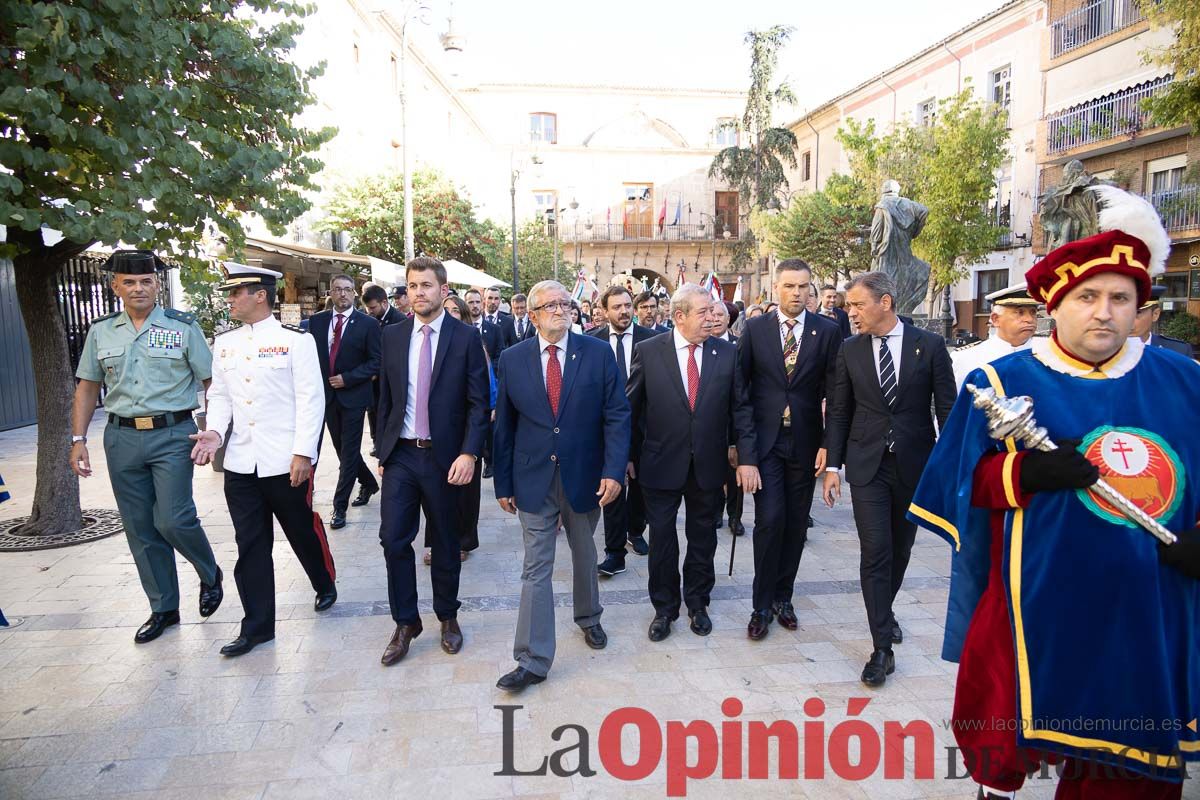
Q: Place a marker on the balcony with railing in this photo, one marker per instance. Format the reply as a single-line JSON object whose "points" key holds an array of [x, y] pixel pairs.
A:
{"points": [[641, 232], [1091, 22], [1108, 117], [1179, 208]]}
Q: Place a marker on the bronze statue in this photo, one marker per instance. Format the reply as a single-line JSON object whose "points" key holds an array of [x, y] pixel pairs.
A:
{"points": [[896, 223], [1068, 212]]}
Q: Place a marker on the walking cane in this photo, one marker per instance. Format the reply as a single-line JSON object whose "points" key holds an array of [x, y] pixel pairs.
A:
{"points": [[732, 550]]}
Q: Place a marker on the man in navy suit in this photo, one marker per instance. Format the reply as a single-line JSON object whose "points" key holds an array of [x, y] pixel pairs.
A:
{"points": [[646, 306], [562, 443], [348, 348], [487, 331], [829, 310], [433, 411], [375, 301], [891, 381], [689, 409], [625, 517], [516, 327], [788, 358], [723, 315], [491, 306]]}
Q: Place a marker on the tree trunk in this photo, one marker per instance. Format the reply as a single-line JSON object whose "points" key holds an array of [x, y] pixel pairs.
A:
{"points": [[56, 496]]}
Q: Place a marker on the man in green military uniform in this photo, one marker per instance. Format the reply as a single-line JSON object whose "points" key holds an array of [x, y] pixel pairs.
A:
{"points": [[152, 361]]}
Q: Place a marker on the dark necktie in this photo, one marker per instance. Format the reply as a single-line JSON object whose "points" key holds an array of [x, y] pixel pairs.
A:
{"points": [[621, 367], [693, 373], [887, 382], [337, 341], [553, 378], [520, 329]]}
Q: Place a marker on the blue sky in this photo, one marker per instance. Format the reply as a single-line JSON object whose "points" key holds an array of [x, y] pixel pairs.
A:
{"points": [[836, 46]]}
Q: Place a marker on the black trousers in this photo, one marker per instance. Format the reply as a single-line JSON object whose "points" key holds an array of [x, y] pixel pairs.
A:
{"points": [[413, 483], [345, 431], [253, 501], [734, 496], [781, 509], [624, 517], [700, 529], [371, 411], [467, 529], [885, 540]]}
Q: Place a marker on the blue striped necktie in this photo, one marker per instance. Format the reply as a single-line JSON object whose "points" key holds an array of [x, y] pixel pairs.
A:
{"points": [[887, 382]]}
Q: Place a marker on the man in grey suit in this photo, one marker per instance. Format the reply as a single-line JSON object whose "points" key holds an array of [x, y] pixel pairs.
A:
{"points": [[561, 449]]}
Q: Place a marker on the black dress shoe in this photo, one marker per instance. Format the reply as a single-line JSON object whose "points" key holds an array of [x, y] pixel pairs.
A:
{"points": [[595, 637], [639, 545], [325, 599], [736, 527], [518, 679], [338, 520], [211, 596], [487, 471], [152, 628], [613, 565], [882, 664], [243, 644], [660, 629], [786, 615], [760, 621], [364, 496], [897, 634], [701, 624]]}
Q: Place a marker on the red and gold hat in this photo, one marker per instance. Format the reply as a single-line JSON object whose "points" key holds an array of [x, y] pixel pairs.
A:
{"points": [[1132, 241]]}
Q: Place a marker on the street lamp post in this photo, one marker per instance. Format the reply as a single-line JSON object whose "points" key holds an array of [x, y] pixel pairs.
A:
{"points": [[514, 173]]}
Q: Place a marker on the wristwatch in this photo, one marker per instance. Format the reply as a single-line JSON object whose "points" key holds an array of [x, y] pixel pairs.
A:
{"points": [[77, 439]]}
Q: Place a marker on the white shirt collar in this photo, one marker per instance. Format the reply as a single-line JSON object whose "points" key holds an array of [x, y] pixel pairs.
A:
{"points": [[896, 331], [561, 344], [436, 325], [614, 332], [783, 318], [680, 342]]}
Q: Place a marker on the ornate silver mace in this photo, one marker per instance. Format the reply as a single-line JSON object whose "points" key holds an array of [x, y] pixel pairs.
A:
{"points": [[1013, 417]]}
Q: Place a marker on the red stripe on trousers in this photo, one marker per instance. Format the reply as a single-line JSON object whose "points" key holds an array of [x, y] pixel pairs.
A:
{"points": [[319, 529]]}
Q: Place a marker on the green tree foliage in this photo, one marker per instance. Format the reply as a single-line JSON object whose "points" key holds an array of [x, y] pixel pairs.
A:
{"points": [[828, 229], [1180, 103], [1183, 325], [371, 210], [948, 167], [150, 122], [535, 252], [757, 168]]}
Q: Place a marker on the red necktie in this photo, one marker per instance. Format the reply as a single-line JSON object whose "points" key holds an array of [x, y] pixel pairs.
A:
{"points": [[693, 376], [553, 378], [337, 341]]}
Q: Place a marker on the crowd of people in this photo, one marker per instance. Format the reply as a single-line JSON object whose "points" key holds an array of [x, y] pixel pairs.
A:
{"points": [[628, 409]]}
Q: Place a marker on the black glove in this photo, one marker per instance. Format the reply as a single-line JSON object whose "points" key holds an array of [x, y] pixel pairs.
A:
{"points": [[1053, 470], [1184, 555]]}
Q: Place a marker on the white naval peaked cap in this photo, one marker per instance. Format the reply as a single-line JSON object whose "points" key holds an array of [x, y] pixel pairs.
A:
{"points": [[237, 275]]}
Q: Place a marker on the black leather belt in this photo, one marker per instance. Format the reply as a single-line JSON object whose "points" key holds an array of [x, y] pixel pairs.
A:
{"points": [[150, 423], [420, 444]]}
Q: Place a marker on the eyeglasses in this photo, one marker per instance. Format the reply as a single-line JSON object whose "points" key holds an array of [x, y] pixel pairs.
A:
{"points": [[554, 307], [341, 290]]}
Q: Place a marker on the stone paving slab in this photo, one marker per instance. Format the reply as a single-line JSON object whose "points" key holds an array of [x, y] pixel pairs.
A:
{"points": [[85, 713]]}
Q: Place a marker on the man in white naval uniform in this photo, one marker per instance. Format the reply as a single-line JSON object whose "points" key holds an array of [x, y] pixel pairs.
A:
{"points": [[267, 382], [1013, 322]]}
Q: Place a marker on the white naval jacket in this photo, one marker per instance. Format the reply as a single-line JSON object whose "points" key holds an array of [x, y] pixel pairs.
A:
{"points": [[973, 356], [267, 380]]}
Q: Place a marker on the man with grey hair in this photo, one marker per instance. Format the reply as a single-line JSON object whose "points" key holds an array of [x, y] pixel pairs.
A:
{"points": [[886, 380], [688, 383], [561, 447]]}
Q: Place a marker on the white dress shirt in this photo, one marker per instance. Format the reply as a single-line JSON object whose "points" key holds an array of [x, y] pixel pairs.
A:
{"points": [[798, 331], [681, 355], [561, 354], [266, 380], [895, 338], [626, 340], [333, 326], [409, 429]]}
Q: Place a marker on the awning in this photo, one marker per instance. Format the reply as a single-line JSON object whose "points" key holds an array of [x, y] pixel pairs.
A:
{"points": [[301, 251], [463, 275]]}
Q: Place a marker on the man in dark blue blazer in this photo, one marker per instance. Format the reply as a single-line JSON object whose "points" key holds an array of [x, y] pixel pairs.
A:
{"points": [[788, 358], [491, 306], [490, 333], [689, 408], [433, 411], [562, 444], [348, 349], [646, 307], [828, 309], [375, 301], [724, 314], [516, 327], [625, 517]]}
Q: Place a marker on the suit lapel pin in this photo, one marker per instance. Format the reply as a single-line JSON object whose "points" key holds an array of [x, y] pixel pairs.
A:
{"points": [[714, 352], [572, 356], [812, 333], [918, 351]]}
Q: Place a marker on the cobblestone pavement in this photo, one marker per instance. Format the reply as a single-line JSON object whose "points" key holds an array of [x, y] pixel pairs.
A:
{"points": [[86, 713]]}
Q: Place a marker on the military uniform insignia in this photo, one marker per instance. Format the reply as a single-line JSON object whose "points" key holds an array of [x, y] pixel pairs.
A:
{"points": [[182, 316], [164, 339], [962, 347], [272, 352], [295, 328]]}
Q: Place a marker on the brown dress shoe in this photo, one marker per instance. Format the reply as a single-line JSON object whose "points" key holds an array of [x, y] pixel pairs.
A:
{"points": [[759, 624], [398, 647], [452, 638]]}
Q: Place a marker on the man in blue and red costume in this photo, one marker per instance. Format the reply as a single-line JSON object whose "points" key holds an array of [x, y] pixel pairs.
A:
{"points": [[1076, 630]]}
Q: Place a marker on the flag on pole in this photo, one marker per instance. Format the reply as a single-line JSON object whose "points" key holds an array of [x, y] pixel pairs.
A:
{"points": [[737, 291], [678, 210], [584, 288], [662, 215], [681, 278], [714, 288]]}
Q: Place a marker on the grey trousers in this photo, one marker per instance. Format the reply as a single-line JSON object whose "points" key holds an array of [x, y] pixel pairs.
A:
{"points": [[151, 474], [533, 647]]}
